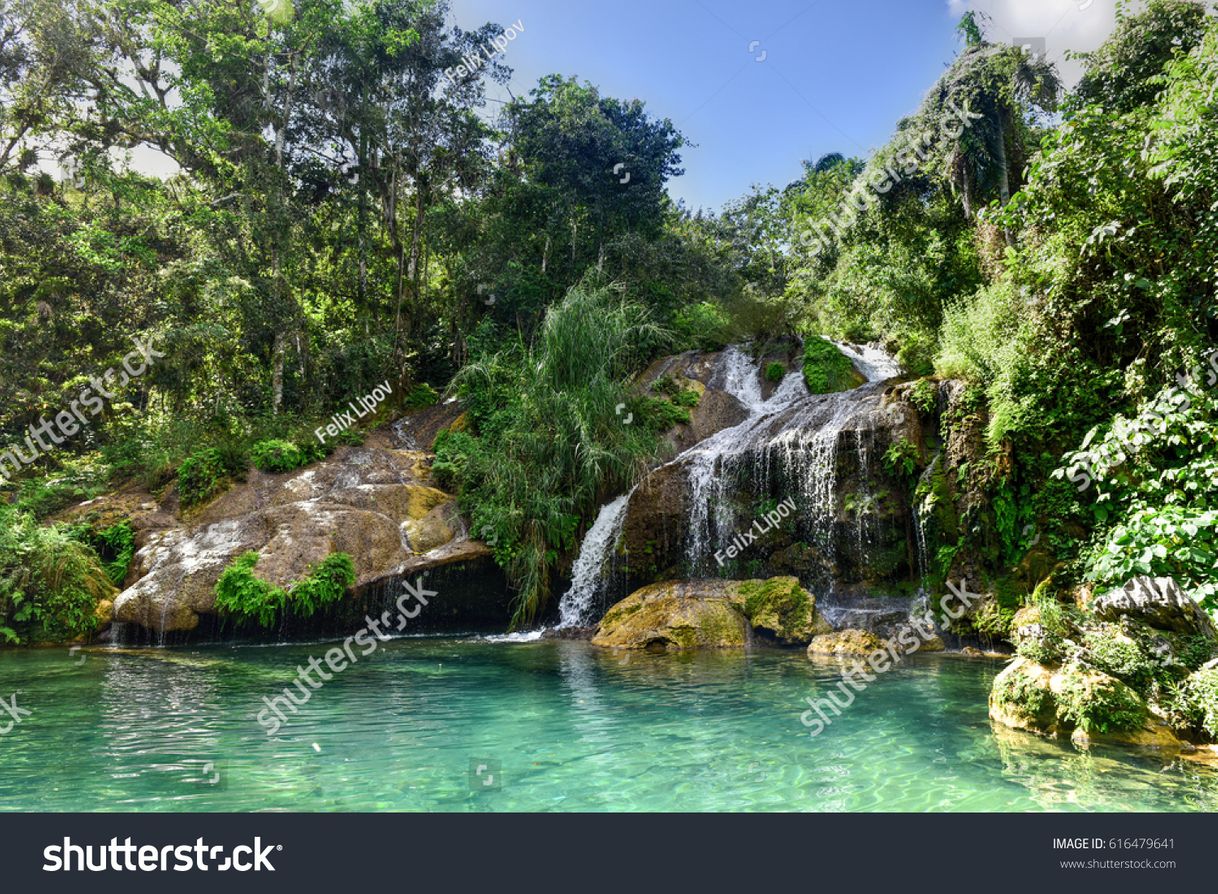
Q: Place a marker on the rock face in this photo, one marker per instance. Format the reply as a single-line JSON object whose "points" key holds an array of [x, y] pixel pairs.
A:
{"points": [[716, 409], [375, 502], [1158, 602], [711, 614]]}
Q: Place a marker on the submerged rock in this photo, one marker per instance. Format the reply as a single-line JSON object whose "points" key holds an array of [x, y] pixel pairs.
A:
{"points": [[850, 643], [677, 615]]}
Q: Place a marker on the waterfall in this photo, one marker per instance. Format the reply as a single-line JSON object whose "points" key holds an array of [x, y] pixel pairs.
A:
{"points": [[787, 442], [921, 510], [874, 363], [738, 375], [587, 575]]}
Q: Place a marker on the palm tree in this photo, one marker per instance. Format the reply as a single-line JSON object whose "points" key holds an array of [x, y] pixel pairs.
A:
{"points": [[996, 93]]}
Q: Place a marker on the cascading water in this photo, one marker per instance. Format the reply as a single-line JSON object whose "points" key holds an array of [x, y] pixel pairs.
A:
{"points": [[921, 510], [787, 443], [706, 461], [587, 575]]}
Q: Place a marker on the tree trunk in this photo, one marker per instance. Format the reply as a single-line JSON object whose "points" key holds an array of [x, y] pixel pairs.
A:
{"points": [[416, 239], [1004, 178], [278, 353]]}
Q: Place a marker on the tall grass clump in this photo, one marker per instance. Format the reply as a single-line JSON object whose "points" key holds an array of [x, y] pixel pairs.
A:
{"points": [[554, 430]]}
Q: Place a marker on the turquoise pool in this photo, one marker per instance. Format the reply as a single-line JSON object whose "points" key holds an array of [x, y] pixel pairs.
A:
{"points": [[468, 725]]}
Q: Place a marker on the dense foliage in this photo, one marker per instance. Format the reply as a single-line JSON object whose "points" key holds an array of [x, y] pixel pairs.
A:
{"points": [[246, 598], [341, 207]]}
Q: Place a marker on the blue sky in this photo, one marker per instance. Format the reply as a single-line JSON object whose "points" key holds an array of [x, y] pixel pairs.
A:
{"points": [[834, 75]]}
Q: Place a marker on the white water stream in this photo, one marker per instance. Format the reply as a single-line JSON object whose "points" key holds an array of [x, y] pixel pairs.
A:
{"points": [[797, 431]]}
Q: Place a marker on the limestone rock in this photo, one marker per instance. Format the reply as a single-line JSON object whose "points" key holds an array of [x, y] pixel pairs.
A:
{"points": [[1157, 601], [850, 643], [675, 616], [783, 608], [1077, 701], [376, 503]]}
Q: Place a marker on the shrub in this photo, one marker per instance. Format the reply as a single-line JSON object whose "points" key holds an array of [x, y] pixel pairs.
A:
{"points": [[201, 476], [274, 455], [50, 582], [1045, 625], [550, 421], [1194, 703], [420, 396], [826, 369], [114, 546], [666, 385], [1109, 649], [241, 595], [46, 496], [992, 620], [1045, 649], [901, 458], [774, 371], [454, 450], [924, 396], [1097, 703], [324, 585], [705, 326], [660, 415], [687, 398]]}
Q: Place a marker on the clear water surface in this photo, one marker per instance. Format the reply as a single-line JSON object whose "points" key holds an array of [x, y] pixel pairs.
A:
{"points": [[469, 725]]}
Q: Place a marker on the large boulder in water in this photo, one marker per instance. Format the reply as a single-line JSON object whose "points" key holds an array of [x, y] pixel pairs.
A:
{"points": [[675, 616], [711, 614], [850, 643], [782, 608], [1077, 701]]}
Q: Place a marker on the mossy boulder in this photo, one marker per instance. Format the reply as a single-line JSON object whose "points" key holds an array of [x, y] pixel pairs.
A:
{"points": [[850, 643], [676, 616], [1078, 701], [784, 609], [1022, 697], [1096, 702]]}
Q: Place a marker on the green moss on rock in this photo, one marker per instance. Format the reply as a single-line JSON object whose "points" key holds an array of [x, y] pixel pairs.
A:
{"points": [[850, 643], [783, 608], [1096, 702], [675, 616], [1021, 697]]}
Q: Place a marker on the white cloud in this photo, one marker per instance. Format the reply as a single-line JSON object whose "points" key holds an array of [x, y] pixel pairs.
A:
{"points": [[1079, 25]]}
